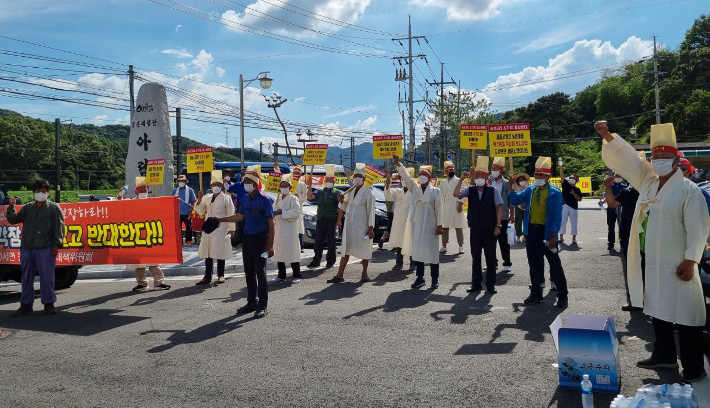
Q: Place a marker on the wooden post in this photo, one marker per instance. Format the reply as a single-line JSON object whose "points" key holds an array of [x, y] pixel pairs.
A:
{"points": [[154, 190], [200, 176], [512, 172]]}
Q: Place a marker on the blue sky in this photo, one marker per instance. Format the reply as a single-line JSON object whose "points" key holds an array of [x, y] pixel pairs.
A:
{"points": [[341, 83]]}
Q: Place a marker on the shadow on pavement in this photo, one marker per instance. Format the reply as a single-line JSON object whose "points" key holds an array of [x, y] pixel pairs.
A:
{"points": [[391, 277], [198, 335], [406, 299], [335, 291], [475, 304], [74, 324]]}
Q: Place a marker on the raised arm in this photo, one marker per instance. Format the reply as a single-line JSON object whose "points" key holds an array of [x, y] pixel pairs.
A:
{"points": [[407, 179], [622, 158]]}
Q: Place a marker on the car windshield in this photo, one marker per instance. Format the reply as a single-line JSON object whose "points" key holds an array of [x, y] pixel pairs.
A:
{"points": [[379, 194]]}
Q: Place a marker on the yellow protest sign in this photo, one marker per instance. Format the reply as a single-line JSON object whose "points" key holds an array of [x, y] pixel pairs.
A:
{"points": [[373, 175], [474, 136], [384, 146], [199, 159], [154, 172], [315, 154], [584, 185], [464, 183], [510, 140], [273, 183], [294, 184]]}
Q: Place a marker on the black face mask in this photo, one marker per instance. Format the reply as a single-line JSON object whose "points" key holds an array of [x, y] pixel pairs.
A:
{"points": [[452, 174]]}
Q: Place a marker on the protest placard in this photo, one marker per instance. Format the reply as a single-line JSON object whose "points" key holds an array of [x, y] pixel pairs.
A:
{"points": [[510, 140], [199, 159], [155, 171], [315, 154], [373, 175], [384, 146], [473, 136]]}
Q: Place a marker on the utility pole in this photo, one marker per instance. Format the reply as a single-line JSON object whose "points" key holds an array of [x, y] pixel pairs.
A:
{"points": [[130, 87], [57, 156], [226, 135], [442, 134], [352, 153], [261, 151], [655, 73], [427, 144], [404, 134], [178, 136]]}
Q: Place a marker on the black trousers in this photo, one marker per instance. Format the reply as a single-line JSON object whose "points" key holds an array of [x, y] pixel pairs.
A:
{"points": [[325, 229], [209, 266], [185, 219], [690, 340], [537, 251], [482, 239], [255, 267], [503, 244], [295, 267], [611, 223], [434, 270]]}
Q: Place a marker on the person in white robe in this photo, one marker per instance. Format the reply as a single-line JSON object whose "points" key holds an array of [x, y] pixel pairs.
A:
{"points": [[299, 189], [287, 212], [453, 217], [218, 244], [426, 218], [358, 203], [399, 195], [669, 231]]}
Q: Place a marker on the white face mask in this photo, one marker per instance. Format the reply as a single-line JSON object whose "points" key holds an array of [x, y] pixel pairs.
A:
{"points": [[41, 197], [619, 179], [523, 183], [358, 181], [285, 191], [662, 166], [328, 185], [423, 179], [181, 184], [249, 187], [142, 195], [216, 189], [396, 185], [227, 178], [480, 182], [495, 173], [539, 182], [572, 181]]}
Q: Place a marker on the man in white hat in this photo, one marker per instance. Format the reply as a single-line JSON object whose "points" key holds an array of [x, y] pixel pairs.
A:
{"points": [[484, 220], [502, 184], [670, 227], [301, 193], [359, 206], [543, 216], [328, 218], [216, 245], [257, 211], [453, 217], [399, 196], [427, 218], [287, 212]]}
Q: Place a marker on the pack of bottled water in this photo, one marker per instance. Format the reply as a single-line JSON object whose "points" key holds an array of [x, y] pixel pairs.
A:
{"points": [[659, 396]]}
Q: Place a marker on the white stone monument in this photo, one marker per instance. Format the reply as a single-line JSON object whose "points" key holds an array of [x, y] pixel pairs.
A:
{"points": [[150, 138]]}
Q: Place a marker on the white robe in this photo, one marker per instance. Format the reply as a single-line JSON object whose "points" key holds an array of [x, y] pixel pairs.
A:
{"points": [[401, 215], [286, 245], [359, 216], [216, 245], [678, 228], [302, 193], [452, 218], [426, 214]]}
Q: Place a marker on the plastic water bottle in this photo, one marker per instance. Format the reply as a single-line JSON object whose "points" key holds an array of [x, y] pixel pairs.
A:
{"points": [[122, 192], [559, 161], [587, 397], [663, 399]]}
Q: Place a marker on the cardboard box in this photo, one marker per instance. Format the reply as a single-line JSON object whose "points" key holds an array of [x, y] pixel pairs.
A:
{"points": [[587, 345]]}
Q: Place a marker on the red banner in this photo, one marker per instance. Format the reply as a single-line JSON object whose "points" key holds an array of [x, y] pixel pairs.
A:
{"points": [[143, 231]]}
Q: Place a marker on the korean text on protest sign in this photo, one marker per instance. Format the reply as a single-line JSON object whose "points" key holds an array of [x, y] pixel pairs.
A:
{"points": [[199, 159], [273, 183], [315, 154], [155, 172], [109, 232], [384, 146], [474, 137], [510, 140], [373, 175]]}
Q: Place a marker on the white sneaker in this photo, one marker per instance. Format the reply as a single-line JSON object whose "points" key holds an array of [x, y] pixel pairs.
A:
{"points": [[296, 280], [277, 280], [442, 250], [461, 250], [506, 269]]}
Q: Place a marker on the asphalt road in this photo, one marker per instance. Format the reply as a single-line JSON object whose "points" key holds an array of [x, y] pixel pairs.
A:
{"points": [[349, 344]]}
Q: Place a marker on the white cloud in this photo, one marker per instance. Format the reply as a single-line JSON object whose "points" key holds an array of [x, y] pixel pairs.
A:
{"points": [[181, 53], [221, 145], [99, 118], [559, 36], [221, 72], [178, 27], [348, 11], [202, 61], [467, 10], [586, 56]]}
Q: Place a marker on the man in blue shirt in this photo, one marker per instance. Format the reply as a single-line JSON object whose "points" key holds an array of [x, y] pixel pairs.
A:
{"points": [[186, 196], [237, 190], [257, 212], [611, 213]]}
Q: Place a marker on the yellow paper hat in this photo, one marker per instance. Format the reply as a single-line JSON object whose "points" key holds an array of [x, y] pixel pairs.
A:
{"points": [[298, 168], [287, 178], [543, 165], [499, 161], [359, 169], [448, 165], [330, 170], [427, 169], [141, 181], [216, 176], [482, 163], [395, 176], [253, 173], [410, 170], [663, 139]]}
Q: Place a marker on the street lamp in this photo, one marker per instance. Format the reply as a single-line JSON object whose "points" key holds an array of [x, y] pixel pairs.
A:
{"points": [[633, 132], [265, 83]]}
